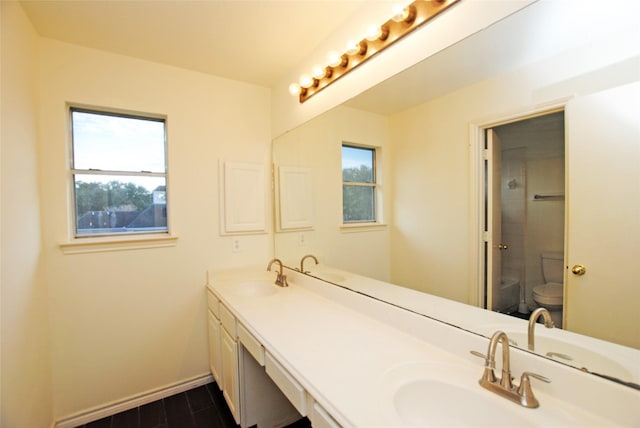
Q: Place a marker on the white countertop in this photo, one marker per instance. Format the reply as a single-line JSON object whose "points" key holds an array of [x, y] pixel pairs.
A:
{"points": [[342, 355], [620, 361]]}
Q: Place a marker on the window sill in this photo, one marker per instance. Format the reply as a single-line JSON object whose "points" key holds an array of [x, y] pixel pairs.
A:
{"points": [[362, 227], [119, 243]]}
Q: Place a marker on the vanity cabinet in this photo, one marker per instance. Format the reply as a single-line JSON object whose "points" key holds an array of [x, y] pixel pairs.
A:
{"points": [[230, 380], [215, 336], [304, 403], [287, 384], [237, 361], [321, 419], [229, 355]]}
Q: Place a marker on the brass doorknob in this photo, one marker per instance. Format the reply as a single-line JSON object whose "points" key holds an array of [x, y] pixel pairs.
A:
{"points": [[578, 270], [503, 247]]}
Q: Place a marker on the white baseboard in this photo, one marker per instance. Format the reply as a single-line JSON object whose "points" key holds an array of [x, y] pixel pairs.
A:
{"points": [[118, 406]]}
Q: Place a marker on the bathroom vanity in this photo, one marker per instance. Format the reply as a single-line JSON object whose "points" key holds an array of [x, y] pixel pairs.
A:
{"points": [[344, 359]]}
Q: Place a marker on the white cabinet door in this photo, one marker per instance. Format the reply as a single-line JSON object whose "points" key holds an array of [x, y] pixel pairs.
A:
{"points": [[215, 358], [230, 380]]}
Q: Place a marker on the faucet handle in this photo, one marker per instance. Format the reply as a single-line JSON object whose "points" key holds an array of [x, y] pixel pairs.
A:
{"points": [[536, 376], [552, 354], [488, 375], [527, 398], [487, 360], [477, 354]]}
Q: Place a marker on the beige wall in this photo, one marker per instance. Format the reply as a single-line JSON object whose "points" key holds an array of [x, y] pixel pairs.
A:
{"points": [[26, 395], [430, 238], [317, 145], [126, 322]]}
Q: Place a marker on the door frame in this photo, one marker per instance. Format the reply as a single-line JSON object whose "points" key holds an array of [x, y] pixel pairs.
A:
{"points": [[477, 190]]}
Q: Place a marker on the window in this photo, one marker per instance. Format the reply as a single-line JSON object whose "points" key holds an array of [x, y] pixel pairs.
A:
{"points": [[119, 173], [358, 184]]}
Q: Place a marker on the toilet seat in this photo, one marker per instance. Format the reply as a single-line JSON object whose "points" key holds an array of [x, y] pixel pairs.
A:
{"points": [[548, 294]]}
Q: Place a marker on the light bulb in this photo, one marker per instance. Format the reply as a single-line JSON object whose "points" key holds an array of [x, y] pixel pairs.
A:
{"points": [[306, 81], [374, 32], [399, 13], [405, 14], [352, 47], [334, 59], [318, 72], [294, 89]]}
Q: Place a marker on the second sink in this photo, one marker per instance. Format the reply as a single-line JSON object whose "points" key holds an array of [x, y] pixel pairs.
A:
{"points": [[255, 288]]}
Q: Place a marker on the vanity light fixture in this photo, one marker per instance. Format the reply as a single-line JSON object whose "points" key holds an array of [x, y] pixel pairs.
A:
{"points": [[403, 21]]}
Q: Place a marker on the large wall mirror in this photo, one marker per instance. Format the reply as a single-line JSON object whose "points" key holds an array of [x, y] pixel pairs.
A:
{"points": [[505, 169]]}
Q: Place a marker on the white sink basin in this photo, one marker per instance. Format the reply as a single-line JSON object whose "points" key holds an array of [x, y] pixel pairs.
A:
{"points": [[439, 394], [255, 288], [420, 404]]}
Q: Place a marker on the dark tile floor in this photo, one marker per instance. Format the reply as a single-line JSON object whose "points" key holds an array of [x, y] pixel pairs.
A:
{"points": [[200, 407], [519, 315]]}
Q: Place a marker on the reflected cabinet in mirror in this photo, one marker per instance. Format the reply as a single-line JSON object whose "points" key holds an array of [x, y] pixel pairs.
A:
{"points": [[506, 171]]}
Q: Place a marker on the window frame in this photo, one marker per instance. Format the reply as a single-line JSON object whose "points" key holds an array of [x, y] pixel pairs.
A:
{"points": [[375, 185], [127, 239]]}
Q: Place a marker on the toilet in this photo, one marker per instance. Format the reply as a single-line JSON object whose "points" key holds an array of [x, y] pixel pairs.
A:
{"points": [[549, 295]]}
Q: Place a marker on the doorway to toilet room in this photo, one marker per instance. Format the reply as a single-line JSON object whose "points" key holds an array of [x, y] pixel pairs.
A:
{"points": [[524, 181]]}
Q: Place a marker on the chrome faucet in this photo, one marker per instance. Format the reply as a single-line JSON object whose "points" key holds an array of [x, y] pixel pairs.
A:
{"points": [[281, 279], [533, 319], [504, 386], [304, 258]]}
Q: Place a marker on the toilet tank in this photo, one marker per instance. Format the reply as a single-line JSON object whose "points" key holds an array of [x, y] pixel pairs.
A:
{"points": [[553, 266]]}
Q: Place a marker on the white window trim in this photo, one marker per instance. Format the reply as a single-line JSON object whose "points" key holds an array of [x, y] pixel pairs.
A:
{"points": [[118, 243], [113, 242], [360, 226]]}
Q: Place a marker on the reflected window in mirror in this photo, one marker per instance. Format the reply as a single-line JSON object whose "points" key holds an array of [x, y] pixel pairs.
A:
{"points": [[359, 184]]}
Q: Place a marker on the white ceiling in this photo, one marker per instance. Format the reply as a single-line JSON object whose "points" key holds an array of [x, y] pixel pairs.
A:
{"points": [[251, 41], [260, 41]]}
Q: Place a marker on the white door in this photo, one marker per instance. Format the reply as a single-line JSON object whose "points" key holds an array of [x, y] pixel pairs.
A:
{"points": [[603, 215], [494, 214]]}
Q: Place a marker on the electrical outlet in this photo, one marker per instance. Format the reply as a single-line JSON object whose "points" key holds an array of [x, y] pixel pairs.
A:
{"points": [[235, 245], [302, 239]]}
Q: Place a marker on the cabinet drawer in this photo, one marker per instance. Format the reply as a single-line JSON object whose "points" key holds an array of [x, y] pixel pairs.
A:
{"points": [[251, 344], [228, 321], [321, 419], [213, 304], [287, 384]]}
